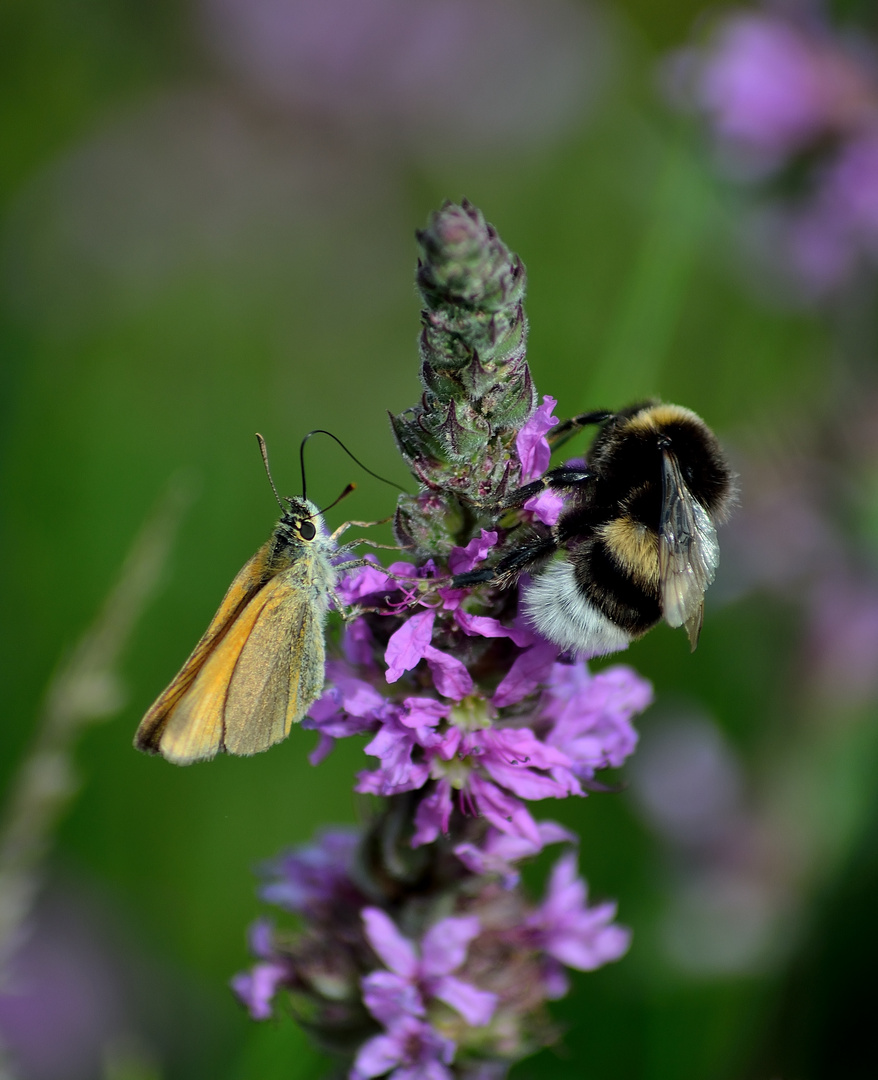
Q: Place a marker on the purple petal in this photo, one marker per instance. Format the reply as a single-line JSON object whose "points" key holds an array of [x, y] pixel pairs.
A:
{"points": [[433, 815], [546, 507], [411, 1043], [357, 643], [260, 939], [512, 755], [464, 559], [423, 712], [313, 875], [499, 851], [389, 996], [592, 714], [474, 1005], [256, 988], [566, 891], [364, 581], [528, 671], [395, 744], [430, 1070], [376, 1057], [503, 811], [322, 750], [444, 946], [579, 936], [407, 645], [484, 863], [359, 698], [485, 626], [450, 676], [396, 951], [386, 782], [590, 946], [556, 985], [533, 448]]}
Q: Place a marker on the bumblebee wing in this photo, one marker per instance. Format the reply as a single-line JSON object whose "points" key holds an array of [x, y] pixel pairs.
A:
{"points": [[280, 671], [241, 592], [688, 551]]}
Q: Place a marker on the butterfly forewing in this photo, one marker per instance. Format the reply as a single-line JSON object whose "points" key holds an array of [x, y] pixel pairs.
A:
{"points": [[247, 583]]}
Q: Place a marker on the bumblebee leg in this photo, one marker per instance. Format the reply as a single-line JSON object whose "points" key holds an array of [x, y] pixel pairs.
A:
{"points": [[561, 478], [564, 431], [503, 574]]}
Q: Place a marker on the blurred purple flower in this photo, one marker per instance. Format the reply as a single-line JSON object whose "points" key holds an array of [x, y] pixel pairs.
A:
{"points": [[782, 90], [687, 781], [311, 878], [499, 851], [415, 974], [771, 85], [257, 987], [591, 715], [468, 71], [410, 1050], [763, 85], [62, 1000], [572, 933], [842, 640]]}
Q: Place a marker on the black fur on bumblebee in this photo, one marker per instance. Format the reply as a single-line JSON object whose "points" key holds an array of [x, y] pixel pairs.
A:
{"points": [[638, 536]]}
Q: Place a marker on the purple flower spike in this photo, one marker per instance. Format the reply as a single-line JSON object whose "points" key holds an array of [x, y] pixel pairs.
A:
{"points": [[471, 719]]}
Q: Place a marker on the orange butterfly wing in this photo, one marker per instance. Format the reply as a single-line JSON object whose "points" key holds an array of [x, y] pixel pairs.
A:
{"points": [[249, 580]]}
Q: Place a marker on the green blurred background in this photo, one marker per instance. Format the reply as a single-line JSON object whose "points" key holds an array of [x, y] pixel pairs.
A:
{"points": [[196, 245]]}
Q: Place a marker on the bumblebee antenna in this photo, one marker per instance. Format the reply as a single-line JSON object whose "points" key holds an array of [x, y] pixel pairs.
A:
{"points": [[321, 431], [264, 451]]}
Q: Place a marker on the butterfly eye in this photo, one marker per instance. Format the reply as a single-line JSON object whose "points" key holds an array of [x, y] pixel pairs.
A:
{"points": [[307, 530]]}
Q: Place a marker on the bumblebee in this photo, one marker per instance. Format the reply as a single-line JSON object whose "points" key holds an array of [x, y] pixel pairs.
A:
{"points": [[637, 539]]}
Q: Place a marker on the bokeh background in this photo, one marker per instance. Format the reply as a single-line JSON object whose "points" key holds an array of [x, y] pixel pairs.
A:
{"points": [[207, 229]]}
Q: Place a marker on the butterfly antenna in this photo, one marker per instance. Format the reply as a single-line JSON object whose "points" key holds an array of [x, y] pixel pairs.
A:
{"points": [[344, 495], [264, 450], [321, 431]]}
